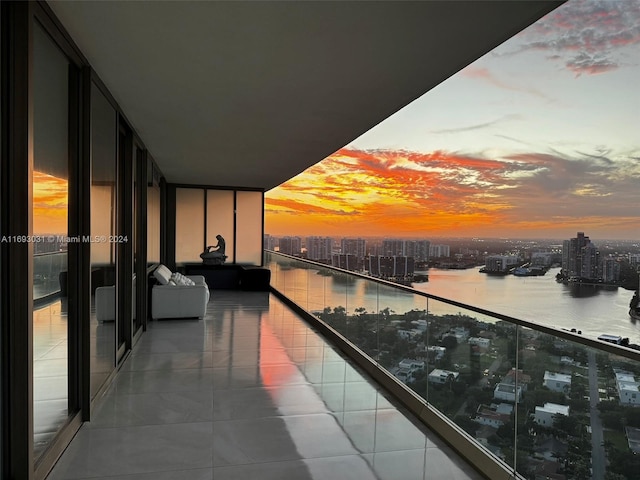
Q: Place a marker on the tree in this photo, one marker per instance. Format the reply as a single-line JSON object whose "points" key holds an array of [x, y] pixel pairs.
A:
{"points": [[386, 312], [467, 424], [340, 311], [459, 388], [614, 476], [449, 342], [568, 424], [624, 463], [505, 432], [632, 417], [612, 420]]}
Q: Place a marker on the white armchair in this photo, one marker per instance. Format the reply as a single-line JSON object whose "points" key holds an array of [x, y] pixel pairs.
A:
{"points": [[175, 297]]}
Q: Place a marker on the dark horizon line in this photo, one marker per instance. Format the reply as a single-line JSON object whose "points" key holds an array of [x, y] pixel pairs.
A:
{"points": [[478, 239]]}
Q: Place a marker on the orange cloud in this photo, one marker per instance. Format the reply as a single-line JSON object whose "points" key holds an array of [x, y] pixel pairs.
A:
{"points": [[50, 204], [356, 192], [382, 190]]}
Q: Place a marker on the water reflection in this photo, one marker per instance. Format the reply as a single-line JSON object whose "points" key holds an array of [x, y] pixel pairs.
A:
{"points": [[583, 291]]}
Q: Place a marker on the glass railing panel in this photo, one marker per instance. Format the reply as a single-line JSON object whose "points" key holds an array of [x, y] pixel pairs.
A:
{"points": [[339, 299], [543, 401], [400, 343], [363, 324], [271, 262], [46, 273], [581, 407], [301, 273], [350, 309], [319, 283], [298, 276], [286, 278], [470, 360], [614, 416]]}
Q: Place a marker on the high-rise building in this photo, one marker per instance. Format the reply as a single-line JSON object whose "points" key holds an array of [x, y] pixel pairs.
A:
{"points": [[270, 242], [392, 247], [421, 250], [418, 249], [319, 249], [409, 248], [353, 246], [610, 270], [543, 258], [347, 261], [500, 263], [590, 263], [580, 258], [437, 251], [385, 266], [290, 245]]}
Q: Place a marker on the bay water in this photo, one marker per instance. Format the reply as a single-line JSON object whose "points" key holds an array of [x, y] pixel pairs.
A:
{"points": [[593, 310]]}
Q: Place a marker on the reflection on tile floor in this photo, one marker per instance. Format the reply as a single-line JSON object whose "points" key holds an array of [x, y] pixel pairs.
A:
{"points": [[251, 391], [50, 397], [50, 365]]}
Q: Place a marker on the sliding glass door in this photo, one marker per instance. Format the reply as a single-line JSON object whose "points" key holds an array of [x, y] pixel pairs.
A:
{"points": [[50, 214], [103, 228]]}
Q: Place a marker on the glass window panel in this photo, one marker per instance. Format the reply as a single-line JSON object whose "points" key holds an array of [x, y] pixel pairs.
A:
{"points": [[220, 205], [103, 224], [50, 219], [189, 224], [249, 206], [153, 217], [138, 158]]}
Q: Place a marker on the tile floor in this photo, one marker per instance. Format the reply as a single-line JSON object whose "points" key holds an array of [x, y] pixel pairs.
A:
{"points": [[50, 378], [251, 391]]}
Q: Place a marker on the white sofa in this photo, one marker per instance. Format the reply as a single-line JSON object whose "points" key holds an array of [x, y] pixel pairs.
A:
{"points": [[178, 296], [105, 301]]}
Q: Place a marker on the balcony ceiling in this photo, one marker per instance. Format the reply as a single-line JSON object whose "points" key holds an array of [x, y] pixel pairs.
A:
{"points": [[249, 94]]}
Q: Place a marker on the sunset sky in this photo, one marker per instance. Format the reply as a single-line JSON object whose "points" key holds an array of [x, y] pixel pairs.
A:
{"points": [[50, 204], [538, 139]]}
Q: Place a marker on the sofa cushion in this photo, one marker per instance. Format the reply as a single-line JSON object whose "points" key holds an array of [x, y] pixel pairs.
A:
{"points": [[162, 274], [178, 278]]}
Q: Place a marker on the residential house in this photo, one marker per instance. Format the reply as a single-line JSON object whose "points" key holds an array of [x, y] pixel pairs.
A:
{"points": [[558, 382], [628, 389], [439, 376], [507, 392], [545, 415]]}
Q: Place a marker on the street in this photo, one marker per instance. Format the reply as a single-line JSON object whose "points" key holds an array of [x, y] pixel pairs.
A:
{"points": [[598, 456]]}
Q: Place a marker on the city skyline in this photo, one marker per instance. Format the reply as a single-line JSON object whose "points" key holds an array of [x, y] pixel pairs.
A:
{"points": [[537, 139]]}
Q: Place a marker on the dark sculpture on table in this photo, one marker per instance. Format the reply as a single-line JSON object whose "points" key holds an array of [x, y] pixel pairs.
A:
{"points": [[217, 256]]}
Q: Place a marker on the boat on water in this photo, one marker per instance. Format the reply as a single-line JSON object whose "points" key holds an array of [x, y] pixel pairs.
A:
{"points": [[634, 306], [494, 272], [617, 339], [530, 271]]}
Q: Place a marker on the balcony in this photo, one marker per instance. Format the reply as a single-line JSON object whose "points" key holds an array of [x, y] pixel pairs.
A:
{"points": [[250, 391], [322, 379]]}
